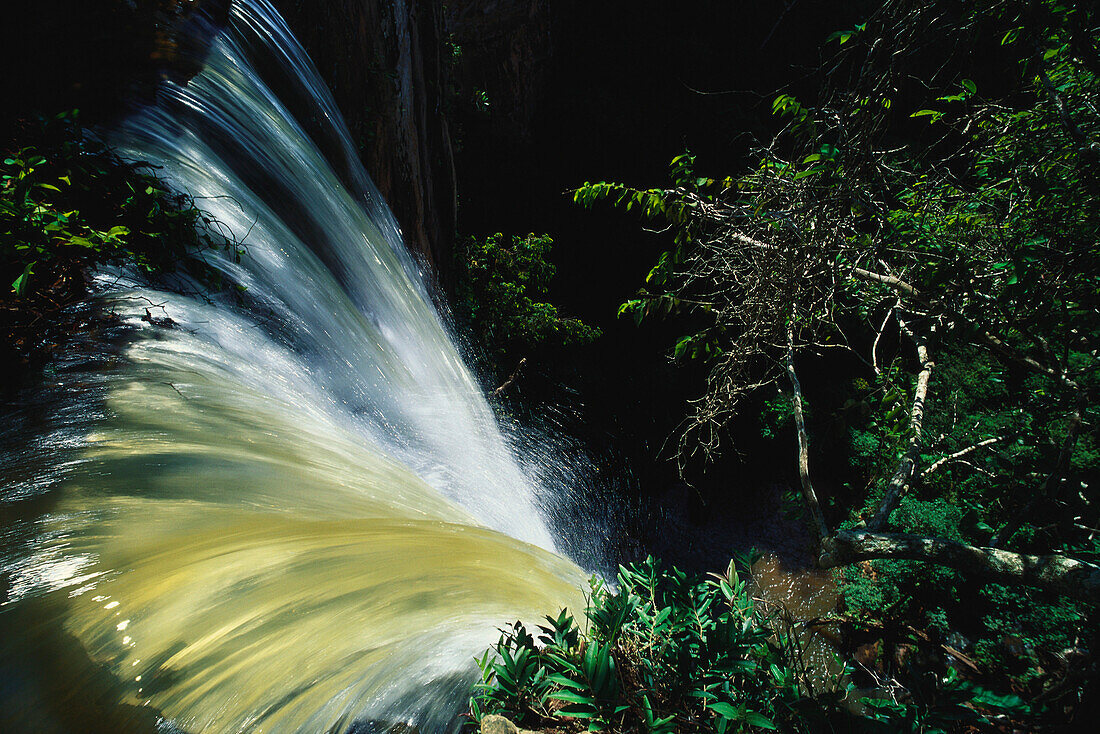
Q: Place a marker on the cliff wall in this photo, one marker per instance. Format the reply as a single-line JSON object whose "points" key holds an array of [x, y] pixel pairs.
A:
{"points": [[382, 61]]}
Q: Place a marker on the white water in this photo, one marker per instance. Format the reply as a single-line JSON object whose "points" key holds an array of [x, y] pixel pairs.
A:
{"points": [[290, 513]]}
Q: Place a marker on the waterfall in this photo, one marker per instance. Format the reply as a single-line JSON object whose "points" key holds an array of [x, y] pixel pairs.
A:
{"points": [[287, 510]]}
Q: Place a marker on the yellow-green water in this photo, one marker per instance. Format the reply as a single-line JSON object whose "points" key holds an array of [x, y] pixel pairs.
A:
{"points": [[288, 510]]}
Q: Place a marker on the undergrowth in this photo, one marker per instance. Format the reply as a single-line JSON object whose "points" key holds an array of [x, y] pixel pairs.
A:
{"points": [[503, 293], [67, 199], [665, 652], [68, 203]]}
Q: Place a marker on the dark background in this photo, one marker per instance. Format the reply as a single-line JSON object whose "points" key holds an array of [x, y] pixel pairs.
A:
{"points": [[612, 91]]}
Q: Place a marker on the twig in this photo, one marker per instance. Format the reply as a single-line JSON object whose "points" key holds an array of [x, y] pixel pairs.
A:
{"points": [[878, 336], [508, 383], [958, 455]]}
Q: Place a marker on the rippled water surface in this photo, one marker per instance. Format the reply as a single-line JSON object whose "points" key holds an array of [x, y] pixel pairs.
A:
{"points": [[289, 510]]}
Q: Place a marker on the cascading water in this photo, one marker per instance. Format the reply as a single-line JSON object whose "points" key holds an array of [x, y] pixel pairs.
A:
{"points": [[293, 511]]}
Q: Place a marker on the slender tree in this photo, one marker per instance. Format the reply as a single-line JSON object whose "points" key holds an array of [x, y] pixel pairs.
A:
{"points": [[910, 209]]}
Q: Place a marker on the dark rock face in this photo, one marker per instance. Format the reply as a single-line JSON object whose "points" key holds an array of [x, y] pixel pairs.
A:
{"points": [[381, 58], [382, 61], [506, 47], [102, 57]]}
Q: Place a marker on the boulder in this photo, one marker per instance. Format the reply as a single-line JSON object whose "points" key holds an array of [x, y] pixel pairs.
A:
{"points": [[494, 724]]}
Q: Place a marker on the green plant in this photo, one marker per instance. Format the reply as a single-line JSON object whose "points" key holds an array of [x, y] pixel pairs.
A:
{"points": [[67, 202], [503, 287], [935, 704], [941, 233], [480, 99], [665, 652], [1013, 633], [659, 656]]}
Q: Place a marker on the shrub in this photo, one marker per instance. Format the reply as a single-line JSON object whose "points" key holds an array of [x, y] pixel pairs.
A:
{"points": [[666, 652], [68, 202], [503, 289]]}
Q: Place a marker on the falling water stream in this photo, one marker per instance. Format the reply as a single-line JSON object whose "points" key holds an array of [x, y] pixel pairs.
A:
{"points": [[292, 510]]}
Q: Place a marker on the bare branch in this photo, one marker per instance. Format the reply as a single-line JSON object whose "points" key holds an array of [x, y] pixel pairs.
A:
{"points": [[878, 337], [817, 520], [958, 455], [896, 283], [899, 483], [511, 379]]}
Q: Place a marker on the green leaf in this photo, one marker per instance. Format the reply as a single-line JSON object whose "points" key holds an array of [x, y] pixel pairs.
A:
{"points": [[578, 713], [726, 711], [572, 697], [19, 285], [561, 680], [754, 719], [681, 346]]}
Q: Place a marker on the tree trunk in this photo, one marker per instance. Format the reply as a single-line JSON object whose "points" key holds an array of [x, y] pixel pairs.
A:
{"points": [[816, 519], [899, 483], [1054, 573]]}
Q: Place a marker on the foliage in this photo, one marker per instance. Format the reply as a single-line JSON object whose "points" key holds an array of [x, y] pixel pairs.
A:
{"points": [[480, 99], [945, 232], [953, 211], [68, 203], [666, 652], [503, 284], [1010, 630]]}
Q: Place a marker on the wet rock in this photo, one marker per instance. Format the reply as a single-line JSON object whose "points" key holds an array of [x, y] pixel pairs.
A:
{"points": [[494, 724], [102, 57], [868, 654]]}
